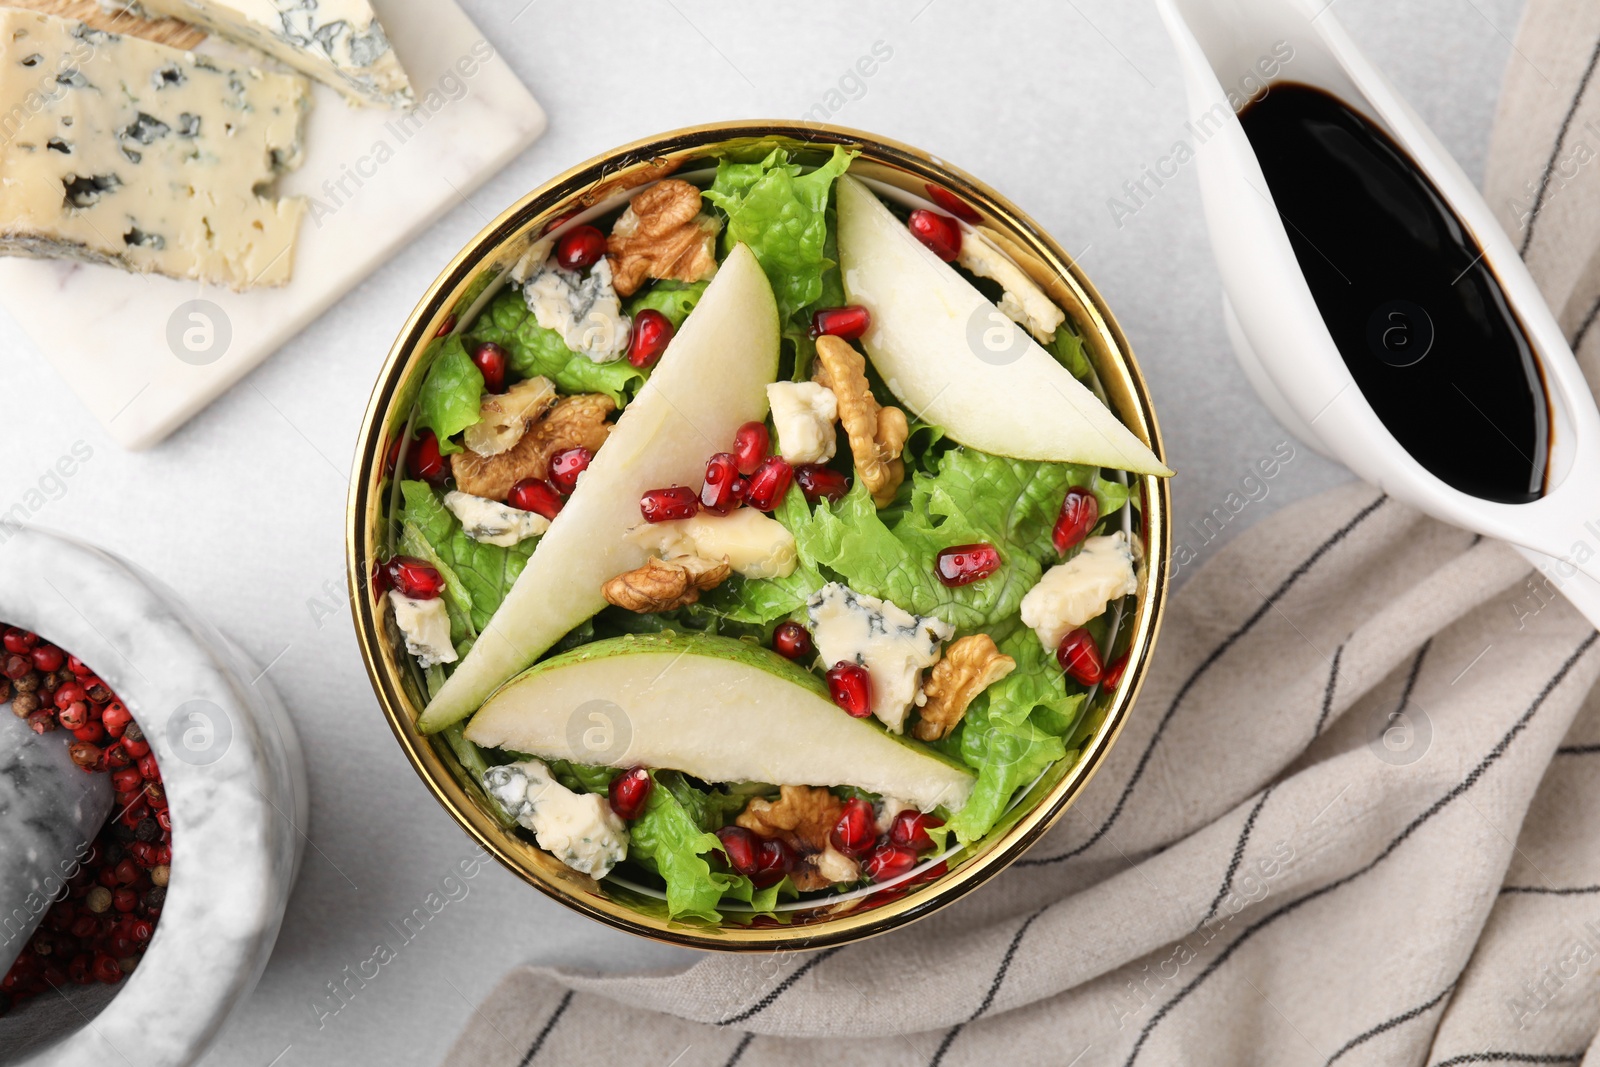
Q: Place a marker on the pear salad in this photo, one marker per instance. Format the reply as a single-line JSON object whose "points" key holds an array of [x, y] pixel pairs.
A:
{"points": [[736, 566]]}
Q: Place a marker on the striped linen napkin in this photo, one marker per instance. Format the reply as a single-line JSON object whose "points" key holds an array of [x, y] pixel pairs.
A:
{"points": [[1352, 819]]}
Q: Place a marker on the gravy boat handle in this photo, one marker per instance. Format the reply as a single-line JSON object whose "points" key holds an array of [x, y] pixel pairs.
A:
{"points": [[1230, 51]]}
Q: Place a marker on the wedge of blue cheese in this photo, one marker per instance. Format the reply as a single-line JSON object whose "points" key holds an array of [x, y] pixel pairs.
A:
{"points": [[121, 151], [338, 42]]}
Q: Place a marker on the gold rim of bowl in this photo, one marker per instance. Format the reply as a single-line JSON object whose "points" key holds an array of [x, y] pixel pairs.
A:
{"points": [[601, 180]]}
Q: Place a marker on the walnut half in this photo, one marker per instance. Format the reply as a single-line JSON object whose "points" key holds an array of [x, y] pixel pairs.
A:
{"points": [[969, 666], [663, 234], [575, 420], [877, 434], [661, 585], [803, 817]]}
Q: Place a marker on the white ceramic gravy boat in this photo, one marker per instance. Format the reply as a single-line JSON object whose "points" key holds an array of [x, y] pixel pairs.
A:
{"points": [[1272, 318]]}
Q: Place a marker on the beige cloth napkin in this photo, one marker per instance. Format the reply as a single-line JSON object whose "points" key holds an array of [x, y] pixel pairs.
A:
{"points": [[1355, 816]]}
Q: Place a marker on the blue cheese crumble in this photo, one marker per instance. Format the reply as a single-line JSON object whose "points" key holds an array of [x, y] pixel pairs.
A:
{"points": [[890, 642], [490, 522], [586, 312], [425, 624], [579, 829], [1072, 593]]}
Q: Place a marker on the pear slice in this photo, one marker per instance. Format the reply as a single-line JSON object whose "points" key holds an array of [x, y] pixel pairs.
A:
{"points": [[952, 358], [712, 378], [719, 709]]}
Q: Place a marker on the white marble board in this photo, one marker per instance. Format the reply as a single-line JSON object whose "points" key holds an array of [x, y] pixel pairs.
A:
{"points": [[132, 347]]}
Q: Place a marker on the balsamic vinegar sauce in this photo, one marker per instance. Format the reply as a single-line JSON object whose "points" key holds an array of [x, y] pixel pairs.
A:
{"points": [[1419, 318]]}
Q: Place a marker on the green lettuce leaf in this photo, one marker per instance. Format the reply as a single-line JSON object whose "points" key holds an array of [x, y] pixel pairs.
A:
{"points": [[889, 554], [669, 839], [781, 214], [581, 777], [1067, 347], [1012, 732], [851, 541], [535, 350], [673, 299], [485, 572], [451, 394], [1013, 501]]}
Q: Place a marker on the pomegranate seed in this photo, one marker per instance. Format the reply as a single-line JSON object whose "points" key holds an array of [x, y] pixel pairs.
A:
{"points": [[1113, 675], [491, 361], [848, 322], [116, 718], [774, 859], [148, 768], [414, 578], [851, 688], [770, 483], [580, 247], [84, 753], [446, 326], [20, 642], [1079, 656], [723, 489], [964, 564], [934, 873], [751, 443], [423, 460], [1080, 510], [48, 658], [939, 232], [821, 483], [952, 203], [566, 465], [910, 829], [629, 792], [793, 641], [535, 495], [127, 779], [391, 455], [652, 331], [16, 665], [664, 505], [856, 830], [890, 861], [740, 846], [378, 580], [105, 969]]}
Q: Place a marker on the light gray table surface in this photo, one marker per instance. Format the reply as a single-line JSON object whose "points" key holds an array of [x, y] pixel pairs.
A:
{"points": [[1055, 102]]}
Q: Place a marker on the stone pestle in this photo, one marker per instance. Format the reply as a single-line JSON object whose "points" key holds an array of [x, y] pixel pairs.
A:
{"points": [[50, 813]]}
